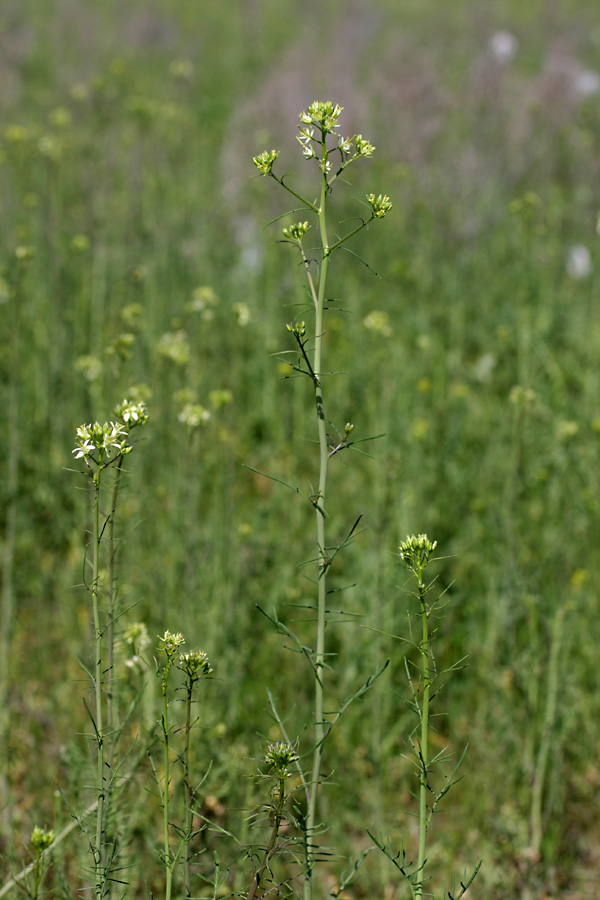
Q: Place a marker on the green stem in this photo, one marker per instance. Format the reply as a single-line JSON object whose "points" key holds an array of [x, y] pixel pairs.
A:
{"points": [[99, 727], [188, 793], [541, 767], [113, 612], [424, 743], [8, 557], [165, 792], [305, 202], [351, 234], [320, 506], [36, 877], [277, 816]]}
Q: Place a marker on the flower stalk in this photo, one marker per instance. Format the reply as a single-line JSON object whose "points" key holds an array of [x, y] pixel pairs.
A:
{"points": [[170, 646], [194, 665], [101, 446], [279, 757], [320, 142], [414, 555]]}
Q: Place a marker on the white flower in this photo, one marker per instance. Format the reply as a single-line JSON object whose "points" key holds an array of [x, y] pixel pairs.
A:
{"points": [[503, 46], [586, 83], [84, 449], [242, 314], [131, 412], [306, 135], [111, 435], [193, 415], [579, 262], [345, 145]]}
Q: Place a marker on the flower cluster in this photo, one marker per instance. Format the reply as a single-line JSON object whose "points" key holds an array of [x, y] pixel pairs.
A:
{"points": [[415, 552], [264, 161], [174, 345], [132, 413], [279, 757], [194, 664], [363, 147], [193, 415], [41, 839], [109, 438], [298, 329], [171, 642], [380, 205], [296, 232], [137, 636], [323, 115]]}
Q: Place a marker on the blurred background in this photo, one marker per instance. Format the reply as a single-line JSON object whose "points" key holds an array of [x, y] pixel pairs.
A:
{"points": [[135, 262]]}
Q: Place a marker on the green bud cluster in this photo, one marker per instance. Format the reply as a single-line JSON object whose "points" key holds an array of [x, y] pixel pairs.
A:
{"points": [[297, 231], [264, 161], [363, 147], [279, 757], [194, 664], [380, 205], [415, 552], [41, 839], [298, 329]]}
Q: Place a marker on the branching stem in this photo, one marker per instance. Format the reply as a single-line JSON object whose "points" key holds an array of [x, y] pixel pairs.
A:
{"points": [[99, 726], [424, 744], [320, 506]]}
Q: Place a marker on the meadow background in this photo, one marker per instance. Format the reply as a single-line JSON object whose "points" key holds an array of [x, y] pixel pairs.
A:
{"points": [[133, 262]]}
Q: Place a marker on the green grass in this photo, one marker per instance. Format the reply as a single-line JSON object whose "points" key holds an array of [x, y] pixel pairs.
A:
{"points": [[126, 176]]}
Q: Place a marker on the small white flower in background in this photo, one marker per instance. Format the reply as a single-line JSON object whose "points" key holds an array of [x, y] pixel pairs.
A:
{"points": [[483, 367], [503, 46], [132, 413], [174, 345], [567, 429], [579, 262], [89, 366], [378, 321], [242, 314], [137, 637], [586, 83], [193, 415]]}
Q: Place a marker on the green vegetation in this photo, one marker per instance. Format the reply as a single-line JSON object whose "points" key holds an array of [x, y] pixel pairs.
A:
{"points": [[134, 263]]}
